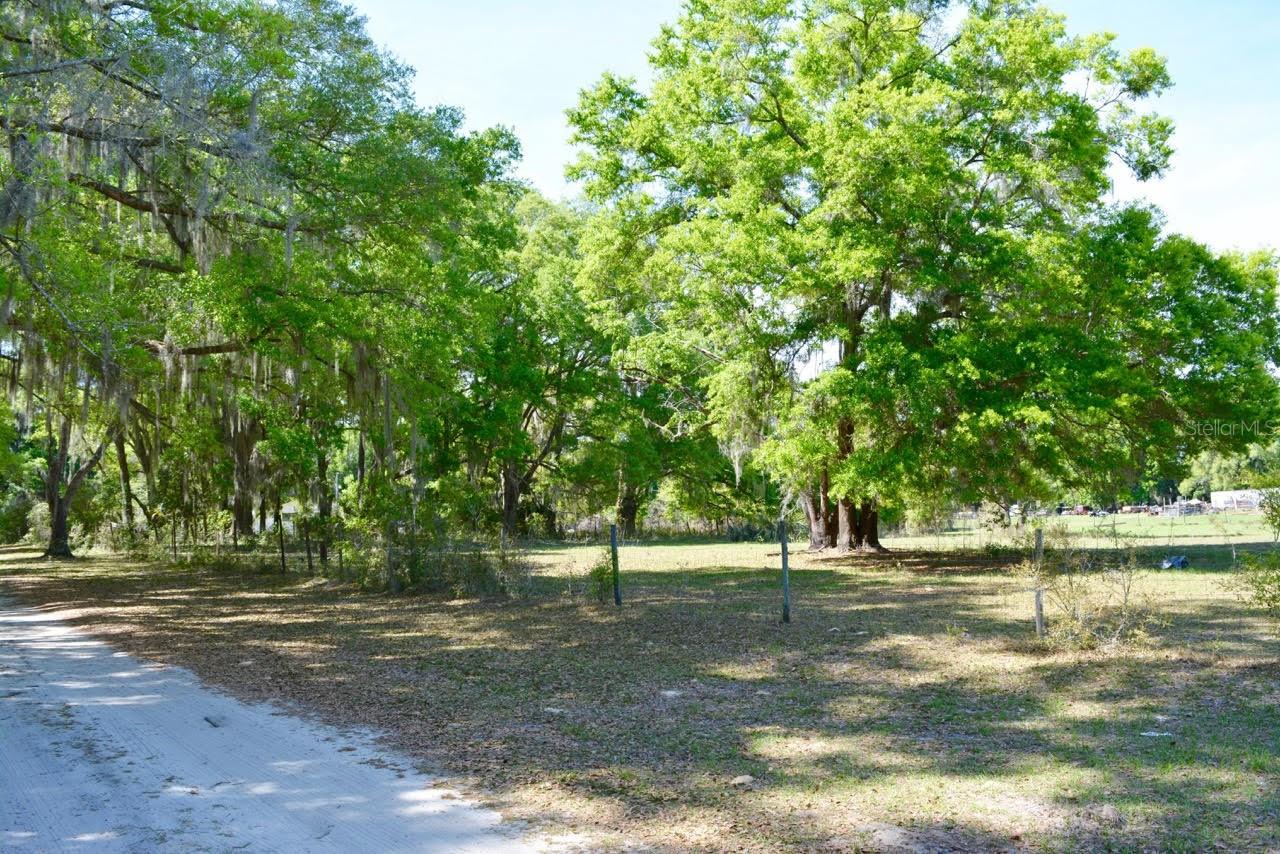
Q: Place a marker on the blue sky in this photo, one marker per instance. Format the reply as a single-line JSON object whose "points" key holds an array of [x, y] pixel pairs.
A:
{"points": [[521, 64]]}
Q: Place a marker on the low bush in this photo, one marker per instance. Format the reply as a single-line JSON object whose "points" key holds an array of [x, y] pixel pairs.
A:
{"points": [[13, 515], [600, 579], [1270, 507], [474, 571], [1259, 581], [1091, 596]]}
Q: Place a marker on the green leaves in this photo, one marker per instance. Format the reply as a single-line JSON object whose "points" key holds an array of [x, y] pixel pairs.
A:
{"points": [[921, 198], [244, 203], [857, 243]]}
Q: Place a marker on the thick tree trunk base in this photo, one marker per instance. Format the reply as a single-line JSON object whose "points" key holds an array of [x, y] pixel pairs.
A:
{"points": [[59, 531], [865, 548]]}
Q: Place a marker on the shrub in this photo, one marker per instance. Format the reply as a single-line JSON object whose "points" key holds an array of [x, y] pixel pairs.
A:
{"points": [[216, 559], [750, 532], [514, 572], [1270, 507], [1091, 596], [471, 573], [600, 578], [1259, 580], [467, 570], [38, 529], [13, 515]]}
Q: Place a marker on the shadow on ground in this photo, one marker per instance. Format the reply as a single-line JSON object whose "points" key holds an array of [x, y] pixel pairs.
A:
{"points": [[903, 709]]}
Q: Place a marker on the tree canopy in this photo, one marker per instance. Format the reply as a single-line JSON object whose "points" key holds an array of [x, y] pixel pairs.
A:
{"points": [[854, 258], [883, 226]]}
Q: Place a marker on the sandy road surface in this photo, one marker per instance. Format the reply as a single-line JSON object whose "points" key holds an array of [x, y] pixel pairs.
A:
{"points": [[102, 752]]}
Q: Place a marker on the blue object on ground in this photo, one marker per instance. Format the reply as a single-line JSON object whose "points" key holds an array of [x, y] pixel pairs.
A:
{"points": [[1175, 562]]}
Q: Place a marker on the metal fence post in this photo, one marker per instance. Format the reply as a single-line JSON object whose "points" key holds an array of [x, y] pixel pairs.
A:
{"points": [[786, 574], [1039, 564], [613, 557]]}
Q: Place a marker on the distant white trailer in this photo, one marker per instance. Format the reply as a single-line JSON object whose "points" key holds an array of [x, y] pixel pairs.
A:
{"points": [[1236, 499]]}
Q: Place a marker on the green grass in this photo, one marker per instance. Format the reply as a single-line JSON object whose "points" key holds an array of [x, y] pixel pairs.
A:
{"points": [[907, 703], [1215, 529]]}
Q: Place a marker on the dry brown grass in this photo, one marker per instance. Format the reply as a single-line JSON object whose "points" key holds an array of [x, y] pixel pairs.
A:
{"points": [[904, 707]]}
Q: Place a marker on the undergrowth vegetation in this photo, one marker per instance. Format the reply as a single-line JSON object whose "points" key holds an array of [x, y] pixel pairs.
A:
{"points": [[1260, 581], [1095, 595]]}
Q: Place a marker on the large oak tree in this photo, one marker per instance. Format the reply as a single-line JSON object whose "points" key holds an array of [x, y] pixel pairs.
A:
{"points": [[882, 224]]}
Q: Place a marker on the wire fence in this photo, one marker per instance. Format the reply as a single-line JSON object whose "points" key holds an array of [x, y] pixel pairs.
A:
{"points": [[601, 567]]}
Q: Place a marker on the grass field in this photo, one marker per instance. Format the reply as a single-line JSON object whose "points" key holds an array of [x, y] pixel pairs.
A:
{"points": [[1217, 529], [907, 706]]}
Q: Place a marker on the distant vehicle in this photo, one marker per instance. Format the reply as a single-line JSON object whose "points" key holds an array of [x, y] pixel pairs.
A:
{"points": [[1100, 513]]}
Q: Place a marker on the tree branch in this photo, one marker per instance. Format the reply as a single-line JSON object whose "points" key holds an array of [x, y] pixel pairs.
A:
{"points": [[138, 203], [49, 69]]}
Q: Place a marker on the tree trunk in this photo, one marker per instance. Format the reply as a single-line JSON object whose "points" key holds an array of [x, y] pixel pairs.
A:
{"points": [[306, 536], [18, 196], [242, 499], [242, 437], [858, 527], [511, 488], [628, 508], [59, 529], [360, 466], [325, 506], [59, 545], [389, 461], [142, 452], [57, 496], [280, 534], [817, 521], [869, 526], [847, 526], [126, 490], [827, 510]]}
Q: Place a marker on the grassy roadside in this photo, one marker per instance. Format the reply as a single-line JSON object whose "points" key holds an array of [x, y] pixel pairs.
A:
{"points": [[905, 707]]}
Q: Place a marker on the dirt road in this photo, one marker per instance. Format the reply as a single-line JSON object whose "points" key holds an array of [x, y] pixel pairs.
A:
{"points": [[100, 751]]}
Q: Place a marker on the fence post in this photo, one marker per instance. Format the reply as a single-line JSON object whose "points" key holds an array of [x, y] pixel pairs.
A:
{"points": [[1039, 561], [613, 558], [786, 574], [280, 535]]}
